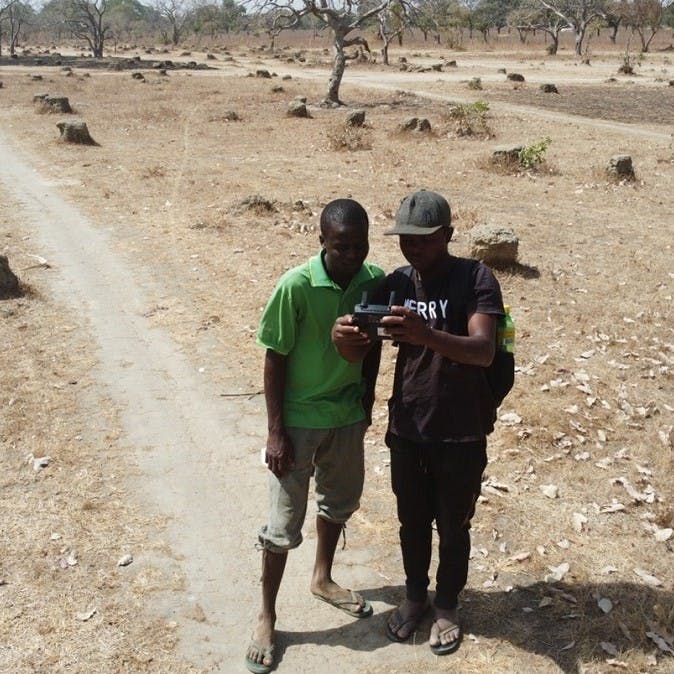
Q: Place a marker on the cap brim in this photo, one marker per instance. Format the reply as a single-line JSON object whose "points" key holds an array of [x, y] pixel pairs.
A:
{"points": [[412, 230]]}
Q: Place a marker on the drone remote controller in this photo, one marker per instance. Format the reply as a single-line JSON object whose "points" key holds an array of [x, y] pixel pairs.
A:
{"points": [[368, 317]]}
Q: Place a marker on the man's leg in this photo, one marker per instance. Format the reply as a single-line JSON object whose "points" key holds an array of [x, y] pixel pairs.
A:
{"points": [[288, 504], [273, 566], [457, 473], [411, 484], [327, 534], [339, 484]]}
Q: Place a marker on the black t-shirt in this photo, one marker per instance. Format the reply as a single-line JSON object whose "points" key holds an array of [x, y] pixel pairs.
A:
{"points": [[436, 399]]}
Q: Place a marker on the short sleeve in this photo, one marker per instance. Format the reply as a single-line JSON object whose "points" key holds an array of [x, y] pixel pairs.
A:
{"points": [[280, 318], [488, 297]]}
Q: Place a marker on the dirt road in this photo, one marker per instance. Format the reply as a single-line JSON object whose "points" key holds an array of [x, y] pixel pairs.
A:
{"points": [[194, 450]]}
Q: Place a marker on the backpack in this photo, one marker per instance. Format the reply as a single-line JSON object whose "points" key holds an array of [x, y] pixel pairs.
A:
{"points": [[501, 374]]}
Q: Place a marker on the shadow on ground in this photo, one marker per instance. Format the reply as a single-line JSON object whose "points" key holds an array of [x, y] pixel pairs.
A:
{"points": [[560, 621]]}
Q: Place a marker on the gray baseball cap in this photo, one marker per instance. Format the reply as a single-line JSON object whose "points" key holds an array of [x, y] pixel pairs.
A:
{"points": [[423, 212]]}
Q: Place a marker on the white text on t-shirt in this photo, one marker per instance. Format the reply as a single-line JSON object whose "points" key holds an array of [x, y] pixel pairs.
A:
{"points": [[428, 310]]}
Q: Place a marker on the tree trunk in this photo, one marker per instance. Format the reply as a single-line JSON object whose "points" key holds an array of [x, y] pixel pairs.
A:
{"points": [[338, 67], [580, 34]]}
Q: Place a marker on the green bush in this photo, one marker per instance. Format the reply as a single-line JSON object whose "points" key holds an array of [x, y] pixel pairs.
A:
{"points": [[531, 156]]}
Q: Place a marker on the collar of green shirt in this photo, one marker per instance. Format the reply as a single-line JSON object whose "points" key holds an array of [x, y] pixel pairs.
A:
{"points": [[318, 274]]}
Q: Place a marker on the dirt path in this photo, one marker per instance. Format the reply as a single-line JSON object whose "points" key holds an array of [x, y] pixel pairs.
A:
{"points": [[193, 448]]}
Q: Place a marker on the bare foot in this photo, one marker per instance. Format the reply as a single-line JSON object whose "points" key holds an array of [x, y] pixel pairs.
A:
{"points": [[261, 648], [445, 632], [403, 622], [346, 600]]}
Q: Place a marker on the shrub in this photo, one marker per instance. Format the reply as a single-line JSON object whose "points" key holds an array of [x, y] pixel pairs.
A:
{"points": [[345, 137], [532, 155], [470, 119]]}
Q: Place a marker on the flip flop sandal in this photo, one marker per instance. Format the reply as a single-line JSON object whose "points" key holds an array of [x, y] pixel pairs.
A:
{"points": [[356, 606], [446, 649], [260, 667], [413, 621]]}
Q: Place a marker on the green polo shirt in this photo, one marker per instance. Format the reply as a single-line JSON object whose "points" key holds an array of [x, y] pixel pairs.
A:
{"points": [[322, 389]]}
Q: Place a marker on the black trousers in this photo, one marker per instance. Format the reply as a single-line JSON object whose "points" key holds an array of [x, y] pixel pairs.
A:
{"points": [[438, 482]]}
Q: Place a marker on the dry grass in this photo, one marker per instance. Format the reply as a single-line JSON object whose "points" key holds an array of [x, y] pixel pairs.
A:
{"points": [[595, 353]]}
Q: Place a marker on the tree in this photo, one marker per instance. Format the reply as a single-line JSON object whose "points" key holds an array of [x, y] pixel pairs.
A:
{"points": [[52, 20], [5, 9], [18, 15], [496, 12], [644, 17], [392, 23], [437, 16], [613, 17], [530, 16], [176, 15], [668, 14], [129, 18], [341, 17], [577, 14], [232, 14], [86, 20]]}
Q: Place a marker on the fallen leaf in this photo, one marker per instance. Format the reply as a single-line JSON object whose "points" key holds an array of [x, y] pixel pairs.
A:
{"points": [[648, 578], [660, 642], [568, 646], [614, 507], [609, 648], [86, 615], [616, 663], [40, 462], [663, 535], [558, 572], [510, 419], [579, 522], [639, 497], [624, 629]]}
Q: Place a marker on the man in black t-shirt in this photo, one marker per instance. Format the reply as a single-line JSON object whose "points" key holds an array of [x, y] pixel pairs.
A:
{"points": [[441, 408]]}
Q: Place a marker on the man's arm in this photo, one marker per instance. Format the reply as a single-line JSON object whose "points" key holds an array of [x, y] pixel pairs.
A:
{"points": [[280, 452], [370, 371], [477, 348]]}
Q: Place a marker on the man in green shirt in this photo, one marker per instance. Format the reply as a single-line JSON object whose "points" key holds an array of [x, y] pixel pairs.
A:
{"points": [[318, 408]]}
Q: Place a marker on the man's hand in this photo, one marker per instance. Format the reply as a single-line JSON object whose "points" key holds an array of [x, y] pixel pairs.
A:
{"points": [[351, 343], [406, 326], [345, 333], [280, 453]]}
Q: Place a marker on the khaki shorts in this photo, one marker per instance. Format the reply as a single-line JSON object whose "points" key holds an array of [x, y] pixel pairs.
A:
{"points": [[335, 457]]}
